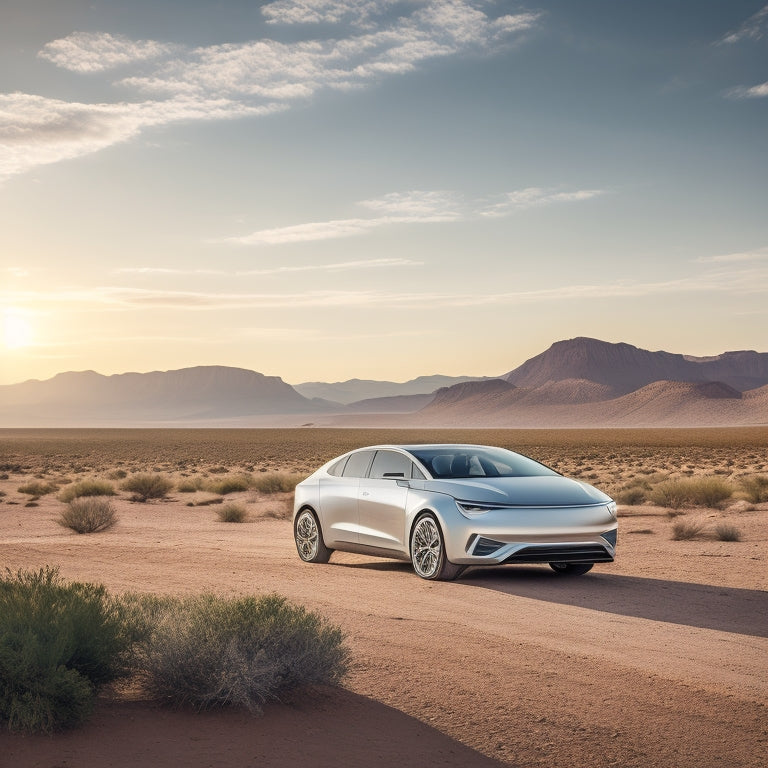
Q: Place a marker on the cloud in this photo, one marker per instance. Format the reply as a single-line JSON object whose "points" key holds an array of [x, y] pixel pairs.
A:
{"points": [[749, 92], [88, 52], [753, 28], [414, 207], [729, 258], [35, 130], [253, 78], [340, 266], [733, 281]]}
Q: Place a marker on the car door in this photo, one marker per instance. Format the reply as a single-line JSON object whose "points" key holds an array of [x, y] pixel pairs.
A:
{"points": [[381, 501], [339, 500]]}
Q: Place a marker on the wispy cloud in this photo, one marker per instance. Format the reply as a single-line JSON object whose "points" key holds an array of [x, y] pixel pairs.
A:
{"points": [[35, 130], [339, 266], [749, 92], [258, 77], [414, 207], [729, 258], [754, 28], [88, 52], [734, 280]]}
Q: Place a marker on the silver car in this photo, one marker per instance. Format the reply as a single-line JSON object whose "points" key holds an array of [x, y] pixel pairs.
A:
{"points": [[447, 507]]}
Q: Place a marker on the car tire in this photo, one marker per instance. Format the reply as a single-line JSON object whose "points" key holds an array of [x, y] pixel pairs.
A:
{"points": [[309, 538], [428, 551], [571, 569]]}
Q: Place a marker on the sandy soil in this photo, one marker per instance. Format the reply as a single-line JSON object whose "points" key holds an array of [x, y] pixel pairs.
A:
{"points": [[659, 659]]}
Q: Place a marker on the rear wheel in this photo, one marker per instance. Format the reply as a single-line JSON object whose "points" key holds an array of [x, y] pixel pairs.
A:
{"points": [[428, 552], [571, 569], [309, 538]]}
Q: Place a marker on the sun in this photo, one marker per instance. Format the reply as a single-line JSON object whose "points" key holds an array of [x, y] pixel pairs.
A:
{"points": [[17, 331]]}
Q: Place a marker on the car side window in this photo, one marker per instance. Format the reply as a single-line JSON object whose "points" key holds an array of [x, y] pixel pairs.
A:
{"points": [[357, 464], [337, 469], [389, 464], [416, 473]]}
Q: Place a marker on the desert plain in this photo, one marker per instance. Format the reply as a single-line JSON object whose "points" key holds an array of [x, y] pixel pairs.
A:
{"points": [[657, 659]]}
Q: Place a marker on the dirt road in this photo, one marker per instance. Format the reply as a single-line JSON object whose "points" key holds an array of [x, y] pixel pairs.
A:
{"points": [[656, 660]]}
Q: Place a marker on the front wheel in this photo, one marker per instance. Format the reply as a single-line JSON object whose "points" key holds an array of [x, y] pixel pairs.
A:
{"points": [[309, 538], [571, 569], [428, 552]]}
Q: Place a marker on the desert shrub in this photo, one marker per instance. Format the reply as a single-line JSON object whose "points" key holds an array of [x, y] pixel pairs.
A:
{"points": [[692, 491], [117, 474], [232, 484], [86, 488], [190, 485], [684, 530], [630, 495], [755, 487], [208, 651], [277, 482], [284, 512], [145, 486], [232, 513], [59, 642], [38, 488], [727, 532], [88, 515]]}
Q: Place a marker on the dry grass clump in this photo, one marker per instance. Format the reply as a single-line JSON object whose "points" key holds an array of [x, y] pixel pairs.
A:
{"points": [[231, 484], [190, 485], [691, 492], [727, 532], [145, 486], [277, 482], [232, 513], [755, 487], [86, 488], [38, 488], [685, 530], [209, 651], [89, 514], [284, 512]]}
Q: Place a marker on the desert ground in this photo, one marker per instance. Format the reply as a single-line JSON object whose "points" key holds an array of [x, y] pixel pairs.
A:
{"points": [[657, 659]]}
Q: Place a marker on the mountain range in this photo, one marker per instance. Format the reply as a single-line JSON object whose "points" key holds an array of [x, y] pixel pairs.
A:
{"points": [[577, 382]]}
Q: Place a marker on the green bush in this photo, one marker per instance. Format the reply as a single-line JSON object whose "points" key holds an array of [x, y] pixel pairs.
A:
{"points": [[693, 492], [277, 482], [86, 488], [59, 642], [232, 484], [145, 486], [208, 651], [38, 488], [755, 487], [232, 513], [88, 515]]}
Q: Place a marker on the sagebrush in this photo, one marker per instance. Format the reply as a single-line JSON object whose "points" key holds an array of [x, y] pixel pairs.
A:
{"points": [[88, 514], [145, 486], [691, 492], [87, 488]]}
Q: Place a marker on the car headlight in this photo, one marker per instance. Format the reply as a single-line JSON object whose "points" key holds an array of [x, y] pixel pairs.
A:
{"points": [[612, 509], [468, 509]]}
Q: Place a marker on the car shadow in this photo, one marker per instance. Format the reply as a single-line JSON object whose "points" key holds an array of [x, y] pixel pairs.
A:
{"points": [[728, 609]]}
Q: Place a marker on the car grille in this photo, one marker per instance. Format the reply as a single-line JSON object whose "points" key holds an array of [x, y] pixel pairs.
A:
{"points": [[561, 553]]}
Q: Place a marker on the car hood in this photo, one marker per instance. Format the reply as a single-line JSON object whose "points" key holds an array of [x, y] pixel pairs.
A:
{"points": [[540, 491]]}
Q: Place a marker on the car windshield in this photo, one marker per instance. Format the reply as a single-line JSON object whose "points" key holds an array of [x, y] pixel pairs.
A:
{"points": [[462, 461]]}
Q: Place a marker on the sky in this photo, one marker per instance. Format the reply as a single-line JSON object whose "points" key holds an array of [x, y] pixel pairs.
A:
{"points": [[333, 189]]}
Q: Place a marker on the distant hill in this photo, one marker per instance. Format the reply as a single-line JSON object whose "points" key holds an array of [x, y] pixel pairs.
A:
{"points": [[624, 368], [661, 403], [580, 382], [202, 393], [354, 390]]}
